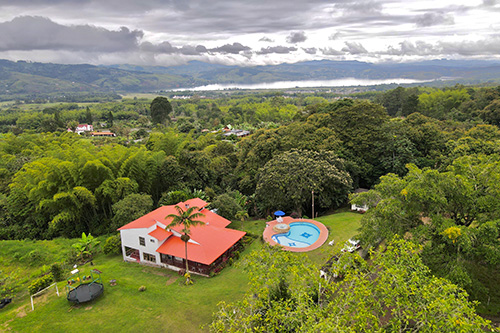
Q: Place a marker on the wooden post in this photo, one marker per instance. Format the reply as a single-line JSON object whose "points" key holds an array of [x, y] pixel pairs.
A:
{"points": [[312, 193]]}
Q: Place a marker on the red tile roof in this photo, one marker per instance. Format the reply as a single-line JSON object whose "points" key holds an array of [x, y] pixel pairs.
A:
{"points": [[212, 243], [160, 233], [196, 202], [150, 219], [159, 214]]}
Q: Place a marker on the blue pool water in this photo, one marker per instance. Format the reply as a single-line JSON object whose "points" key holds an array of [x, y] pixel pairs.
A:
{"points": [[301, 234]]}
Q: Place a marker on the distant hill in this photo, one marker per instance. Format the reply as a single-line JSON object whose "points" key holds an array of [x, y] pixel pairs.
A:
{"points": [[44, 78], [36, 79], [472, 71]]}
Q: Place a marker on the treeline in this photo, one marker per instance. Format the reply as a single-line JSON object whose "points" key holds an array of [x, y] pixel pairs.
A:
{"points": [[459, 103], [471, 105], [68, 97]]}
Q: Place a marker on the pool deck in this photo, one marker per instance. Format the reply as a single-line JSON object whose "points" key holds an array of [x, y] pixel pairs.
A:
{"points": [[269, 232]]}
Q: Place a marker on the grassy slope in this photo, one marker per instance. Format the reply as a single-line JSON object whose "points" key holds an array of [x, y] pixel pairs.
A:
{"points": [[166, 305]]}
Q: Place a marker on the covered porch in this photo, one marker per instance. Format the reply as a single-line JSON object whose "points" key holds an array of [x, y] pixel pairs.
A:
{"points": [[200, 268], [132, 254]]}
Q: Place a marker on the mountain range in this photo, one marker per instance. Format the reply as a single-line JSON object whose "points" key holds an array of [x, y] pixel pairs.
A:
{"points": [[38, 79]]}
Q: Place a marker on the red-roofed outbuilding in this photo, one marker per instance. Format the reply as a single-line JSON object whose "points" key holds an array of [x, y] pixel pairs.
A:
{"points": [[147, 240]]}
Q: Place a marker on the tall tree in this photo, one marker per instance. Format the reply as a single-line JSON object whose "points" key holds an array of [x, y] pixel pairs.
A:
{"points": [[160, 109], [110, 119], [130, 208], [286, 181], [88, 116], [186, 218]]}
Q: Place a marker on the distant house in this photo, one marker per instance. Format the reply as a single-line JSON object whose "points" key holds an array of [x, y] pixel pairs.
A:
{"points": [[238, 132], [362, 208], [102, 134], [81, 128], [147, 241]]}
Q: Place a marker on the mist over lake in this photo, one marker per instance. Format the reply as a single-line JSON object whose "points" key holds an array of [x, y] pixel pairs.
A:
{"points": [[345, 82]]}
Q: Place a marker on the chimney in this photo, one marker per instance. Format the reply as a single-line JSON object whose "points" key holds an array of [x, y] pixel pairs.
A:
{"points": [[187, 206]]}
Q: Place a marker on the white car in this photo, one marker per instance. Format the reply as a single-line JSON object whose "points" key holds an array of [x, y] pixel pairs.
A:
{"points": [[351, 245]]}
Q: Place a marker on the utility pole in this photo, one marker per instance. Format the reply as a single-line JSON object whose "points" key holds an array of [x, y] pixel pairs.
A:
{"points": [[312, 194]]}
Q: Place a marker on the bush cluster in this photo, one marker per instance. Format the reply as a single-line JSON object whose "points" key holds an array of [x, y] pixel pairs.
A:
{"points": [[41, 283], [56, 271], [112, 245]]}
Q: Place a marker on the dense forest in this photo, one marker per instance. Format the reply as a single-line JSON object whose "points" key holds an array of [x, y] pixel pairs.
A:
{"points": [[430, 157], [58, 183]]}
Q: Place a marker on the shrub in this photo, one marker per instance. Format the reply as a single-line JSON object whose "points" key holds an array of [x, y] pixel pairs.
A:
{"points": [[249, 238], [142, 288], [40, 283], [8, 284], [57, 272], [236, 255], [113, 245]]}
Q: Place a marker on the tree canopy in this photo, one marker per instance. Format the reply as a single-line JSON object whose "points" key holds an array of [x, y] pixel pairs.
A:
{"points": [[286, 181], [453, 212], [394, 292], [160, 109]]}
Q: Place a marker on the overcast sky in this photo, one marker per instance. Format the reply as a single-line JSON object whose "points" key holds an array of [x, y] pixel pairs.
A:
{"points": [[247, 32]]}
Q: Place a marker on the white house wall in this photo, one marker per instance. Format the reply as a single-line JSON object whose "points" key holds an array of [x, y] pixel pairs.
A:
{"points": [[130, 238]]}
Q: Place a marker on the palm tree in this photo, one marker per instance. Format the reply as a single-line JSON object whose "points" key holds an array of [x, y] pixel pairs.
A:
{"points": [[186, 218], [242, 215]]}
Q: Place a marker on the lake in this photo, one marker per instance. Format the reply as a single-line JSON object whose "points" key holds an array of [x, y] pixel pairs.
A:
{"points": [[345, 82]]}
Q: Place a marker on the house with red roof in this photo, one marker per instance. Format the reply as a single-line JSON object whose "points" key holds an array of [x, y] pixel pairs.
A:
{"points": [[82, 128], [147, 240]]}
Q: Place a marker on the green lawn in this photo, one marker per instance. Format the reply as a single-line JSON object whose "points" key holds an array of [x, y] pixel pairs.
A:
{"points": [[166, 305], [341, 226]]}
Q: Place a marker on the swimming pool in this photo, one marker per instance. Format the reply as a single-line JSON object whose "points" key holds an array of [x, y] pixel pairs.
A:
{"points": [[301, 234]]}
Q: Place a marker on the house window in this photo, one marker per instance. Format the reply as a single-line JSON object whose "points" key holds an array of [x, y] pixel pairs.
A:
{"points": [[152, 240], [148, 257], [166, 258], [142, 241]]}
